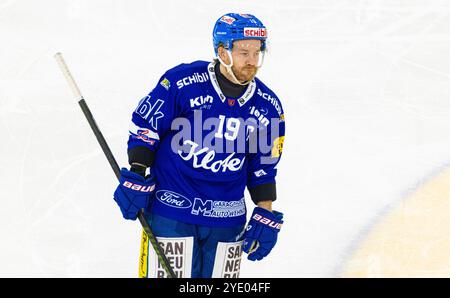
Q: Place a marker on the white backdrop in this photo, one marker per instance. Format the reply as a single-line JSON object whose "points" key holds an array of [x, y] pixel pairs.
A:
{"points": [[365, 86]]}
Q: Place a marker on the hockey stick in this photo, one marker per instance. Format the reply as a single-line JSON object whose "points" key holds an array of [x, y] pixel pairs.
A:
{"points": [[112, 161]]}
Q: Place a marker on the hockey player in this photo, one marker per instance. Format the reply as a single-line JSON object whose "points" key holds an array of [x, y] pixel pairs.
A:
{"points": [[205, 132]]}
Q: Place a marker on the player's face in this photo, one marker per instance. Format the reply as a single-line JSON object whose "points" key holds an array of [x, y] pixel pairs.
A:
{"points": [[246, 56]]}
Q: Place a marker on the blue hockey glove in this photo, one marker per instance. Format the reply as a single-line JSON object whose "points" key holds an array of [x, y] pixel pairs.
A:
{"points": [[133, 193], [261, 233]]}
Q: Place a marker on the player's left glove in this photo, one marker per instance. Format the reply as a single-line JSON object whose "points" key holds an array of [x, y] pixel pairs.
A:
{"points": [[261, 233]]}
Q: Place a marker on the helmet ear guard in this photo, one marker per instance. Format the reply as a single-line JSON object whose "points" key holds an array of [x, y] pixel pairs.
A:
{"points": [[229, 69], [230, 57]]}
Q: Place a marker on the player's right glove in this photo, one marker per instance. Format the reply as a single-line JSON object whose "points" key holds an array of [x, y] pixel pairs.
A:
{"points": [[133, 193], [261, 233]]}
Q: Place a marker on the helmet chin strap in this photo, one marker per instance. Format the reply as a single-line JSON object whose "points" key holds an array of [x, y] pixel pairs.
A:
{"points": [[230, 71]]}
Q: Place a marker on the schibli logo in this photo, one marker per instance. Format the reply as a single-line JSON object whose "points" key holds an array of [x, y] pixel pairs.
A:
{"points": [[138, 187], [255, 32], [268, 222], [173, 199], [201, 100], [193, 79]]}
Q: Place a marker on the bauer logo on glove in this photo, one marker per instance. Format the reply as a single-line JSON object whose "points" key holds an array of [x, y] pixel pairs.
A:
{"points": [[266, 221], [133, 193], [138, 187], [261, 233]]}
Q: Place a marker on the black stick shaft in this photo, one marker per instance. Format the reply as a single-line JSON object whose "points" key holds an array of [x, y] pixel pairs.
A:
{"points": [[101, 140], [112, 161]]}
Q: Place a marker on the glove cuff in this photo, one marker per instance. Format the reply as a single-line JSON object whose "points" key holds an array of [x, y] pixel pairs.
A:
{"points": [[136, 183], [274, 215], [264, 216], [128, 174]]}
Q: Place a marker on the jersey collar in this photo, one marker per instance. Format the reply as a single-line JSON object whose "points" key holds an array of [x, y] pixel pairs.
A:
{"points": [[243, 99]]}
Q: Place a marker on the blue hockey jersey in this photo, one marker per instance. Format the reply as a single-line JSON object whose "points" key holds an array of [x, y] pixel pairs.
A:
{"points": [[208, 147]]}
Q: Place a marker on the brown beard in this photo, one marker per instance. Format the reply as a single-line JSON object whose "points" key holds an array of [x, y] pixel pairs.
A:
{"points": [[250, 70]]}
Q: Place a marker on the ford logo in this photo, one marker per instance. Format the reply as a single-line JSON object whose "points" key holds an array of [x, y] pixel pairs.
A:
{"points": [[173, 199]]}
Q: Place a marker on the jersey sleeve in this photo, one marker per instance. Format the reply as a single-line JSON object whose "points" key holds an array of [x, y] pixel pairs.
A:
{"points": [[262, 163], [153, 116]]}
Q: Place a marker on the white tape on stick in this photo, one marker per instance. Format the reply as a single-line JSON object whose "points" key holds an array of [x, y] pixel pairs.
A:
{"points": [[69, 78]]}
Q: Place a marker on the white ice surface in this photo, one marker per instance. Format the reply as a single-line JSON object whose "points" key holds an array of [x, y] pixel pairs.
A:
{"points": [[365, 86]]}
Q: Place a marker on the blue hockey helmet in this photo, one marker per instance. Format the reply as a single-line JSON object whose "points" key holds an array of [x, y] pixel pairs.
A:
{"points": [[234, 26]]}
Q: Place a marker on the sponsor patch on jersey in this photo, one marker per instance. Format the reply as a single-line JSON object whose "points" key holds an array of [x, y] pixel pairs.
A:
{"points": [[231, 102], [173, 199], [165, 83], [149, 109], [193, 79], [277, 148], [218, 209], [259, 114], [202, 102], [227, 19], [255, 32], [144, 135]]}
